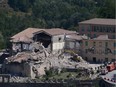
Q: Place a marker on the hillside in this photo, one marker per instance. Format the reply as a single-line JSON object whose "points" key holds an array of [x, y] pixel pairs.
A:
{"points": [[16, 15]]}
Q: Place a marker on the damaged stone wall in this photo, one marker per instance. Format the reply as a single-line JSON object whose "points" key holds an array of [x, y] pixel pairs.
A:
{"points": [[73, 46], [13, 68], [33, 64], [18, 47], [43, 38], [58, 42]]}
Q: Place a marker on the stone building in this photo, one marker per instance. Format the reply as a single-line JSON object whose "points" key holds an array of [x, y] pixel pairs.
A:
{"points": [[53, 39], [100, 49], [23, 39], [24, 64], [98, 26], [36, 45], [73, 43]]}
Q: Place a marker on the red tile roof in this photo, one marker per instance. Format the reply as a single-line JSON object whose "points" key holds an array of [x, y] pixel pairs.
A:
{"points": [[22, 39], [100, 21], [56, 31], [102, 37], [27, 32]]}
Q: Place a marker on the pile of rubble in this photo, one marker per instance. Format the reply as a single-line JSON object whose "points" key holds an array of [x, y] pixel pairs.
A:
{"points": [[17, 79], [43, 59]]}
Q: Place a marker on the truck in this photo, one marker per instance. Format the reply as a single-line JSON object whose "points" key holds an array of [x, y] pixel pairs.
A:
{"points": [[111, 67]]}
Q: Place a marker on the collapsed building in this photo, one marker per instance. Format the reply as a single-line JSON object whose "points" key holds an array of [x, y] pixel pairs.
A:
{"points": [[31, 64], [24, 64], [40, 49], [54, 39]]}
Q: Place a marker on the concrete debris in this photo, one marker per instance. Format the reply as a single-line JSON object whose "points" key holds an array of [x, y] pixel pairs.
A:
{"points": [[17, 79], [40, 59]]}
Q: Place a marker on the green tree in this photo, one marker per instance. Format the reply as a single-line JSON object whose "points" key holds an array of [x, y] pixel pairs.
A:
{"points": [[108, 9], [1, 41], [23, 5], [50, 13]]}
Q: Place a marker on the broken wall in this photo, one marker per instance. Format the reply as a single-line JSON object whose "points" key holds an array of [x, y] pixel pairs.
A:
{"points": [[20, 46], [58, 42], [23, 69], [28, 70], [44, 38], [72, 45], [13, 68]]}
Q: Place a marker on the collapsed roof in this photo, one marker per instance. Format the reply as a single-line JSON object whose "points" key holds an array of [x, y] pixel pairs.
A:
{"points": [[28, 33], [22, 39], [56, 31]]}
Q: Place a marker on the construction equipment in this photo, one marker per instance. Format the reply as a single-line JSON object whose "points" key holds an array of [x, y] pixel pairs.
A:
{"points": [[70, 51], [111, 67], [75, 56]]}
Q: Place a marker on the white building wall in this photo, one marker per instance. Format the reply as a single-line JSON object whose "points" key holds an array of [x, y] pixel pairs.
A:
{"points": [[58, 45], [58, 42]]}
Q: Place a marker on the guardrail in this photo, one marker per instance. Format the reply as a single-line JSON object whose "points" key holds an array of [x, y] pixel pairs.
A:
{"points": [[5, 78]]}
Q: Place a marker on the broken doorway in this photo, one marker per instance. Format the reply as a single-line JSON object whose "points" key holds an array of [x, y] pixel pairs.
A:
{"points": [[44, 38]]}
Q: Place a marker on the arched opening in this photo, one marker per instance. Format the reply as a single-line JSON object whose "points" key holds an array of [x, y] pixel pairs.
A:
{"points": [[44, 38]]}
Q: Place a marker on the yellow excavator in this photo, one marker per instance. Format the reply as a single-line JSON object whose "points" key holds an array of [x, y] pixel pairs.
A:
{"points": [[74, 55]]}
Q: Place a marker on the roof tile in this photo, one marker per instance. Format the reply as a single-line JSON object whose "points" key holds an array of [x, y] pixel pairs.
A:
{"points": [[99, 21]]}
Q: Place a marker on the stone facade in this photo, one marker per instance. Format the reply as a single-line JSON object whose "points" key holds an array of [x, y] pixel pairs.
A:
{"points": [[95, 27], [99, 50]]}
